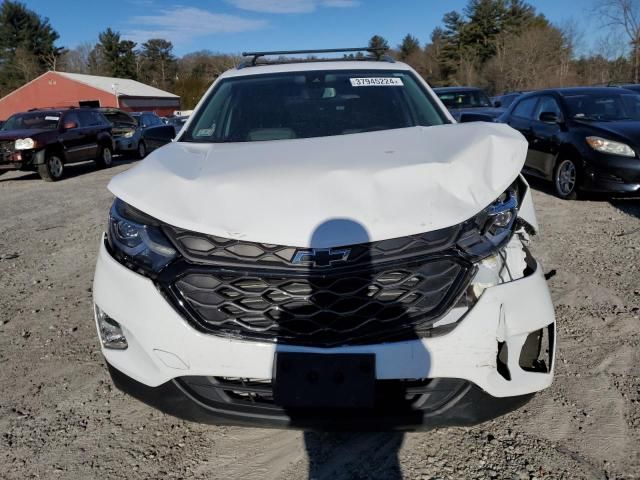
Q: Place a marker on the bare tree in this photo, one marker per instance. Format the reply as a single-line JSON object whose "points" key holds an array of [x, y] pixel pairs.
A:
{"points": [[76, 60], [536, 57], [625, 15]]}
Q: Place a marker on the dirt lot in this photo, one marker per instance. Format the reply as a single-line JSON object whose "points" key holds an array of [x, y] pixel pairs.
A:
{"points": [[60, 417]]}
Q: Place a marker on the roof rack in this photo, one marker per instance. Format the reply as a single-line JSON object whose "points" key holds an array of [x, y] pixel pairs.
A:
{"points": [[64, 107], [378, 51]]}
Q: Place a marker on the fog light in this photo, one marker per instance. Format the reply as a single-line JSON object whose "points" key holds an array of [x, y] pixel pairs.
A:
{"points": [[110, 331]]}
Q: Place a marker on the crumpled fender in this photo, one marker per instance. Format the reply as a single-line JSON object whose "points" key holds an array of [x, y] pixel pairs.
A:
{"points": [[394, 183]]}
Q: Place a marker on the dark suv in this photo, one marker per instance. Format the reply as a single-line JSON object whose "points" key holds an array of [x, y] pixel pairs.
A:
{"points": [[44, 140]]}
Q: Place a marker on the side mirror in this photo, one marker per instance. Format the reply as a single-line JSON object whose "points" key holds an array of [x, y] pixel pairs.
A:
{"points": [[497, 104], [549, 117], [69, 125], [475, 117]]}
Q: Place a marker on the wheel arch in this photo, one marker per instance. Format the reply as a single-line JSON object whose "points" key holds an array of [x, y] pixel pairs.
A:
{"points": [[53, 149]]}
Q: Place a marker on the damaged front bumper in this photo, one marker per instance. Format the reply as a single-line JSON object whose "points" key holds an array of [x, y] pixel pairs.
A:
{"points": [[502, 347]]}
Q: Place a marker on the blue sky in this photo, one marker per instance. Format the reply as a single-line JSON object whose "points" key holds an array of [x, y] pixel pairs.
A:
{"points": [[232, 26]]}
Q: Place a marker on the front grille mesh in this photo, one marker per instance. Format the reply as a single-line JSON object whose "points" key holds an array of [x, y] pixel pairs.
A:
{"points": [[383, 291], [322, 309]]}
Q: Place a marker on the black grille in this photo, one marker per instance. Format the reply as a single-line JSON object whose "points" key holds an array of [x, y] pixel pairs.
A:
{"points": [[425, 395], [385, 291], [211, 250], [6, 149]]}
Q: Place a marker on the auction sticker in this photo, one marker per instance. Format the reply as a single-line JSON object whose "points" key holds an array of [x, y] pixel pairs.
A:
{"points": [[376, 82]]}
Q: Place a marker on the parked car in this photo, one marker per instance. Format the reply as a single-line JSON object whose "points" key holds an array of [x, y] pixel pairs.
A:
{"points": [[327, 250], [468, 100], [628, 85], [137, 133], [45, 140], [581, 139], [177, 122], [505, 100]]}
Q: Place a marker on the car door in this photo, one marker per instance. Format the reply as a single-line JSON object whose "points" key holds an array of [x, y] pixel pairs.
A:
{"points": [[71, 137], [89, 138], [158, 135], [522, 118], [546, 143]]}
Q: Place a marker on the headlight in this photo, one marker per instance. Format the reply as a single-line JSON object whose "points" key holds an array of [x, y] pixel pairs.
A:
{"points": [[25, 144], [129, 134], [137, 241], [491, 229], [609, 146]]}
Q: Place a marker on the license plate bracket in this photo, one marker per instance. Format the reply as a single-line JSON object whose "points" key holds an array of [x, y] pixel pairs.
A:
{"points": [[324, 380]]}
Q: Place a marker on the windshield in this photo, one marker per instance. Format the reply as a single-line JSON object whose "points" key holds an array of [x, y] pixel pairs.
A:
{"points": [[311, 104], [33, 121], [608, 107], [464, 99]]}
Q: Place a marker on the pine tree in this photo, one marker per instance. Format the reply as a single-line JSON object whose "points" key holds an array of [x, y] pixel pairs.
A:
{"points": [[380, 44], [118, 56], [158, 62], [27, 45], [409, 46]]}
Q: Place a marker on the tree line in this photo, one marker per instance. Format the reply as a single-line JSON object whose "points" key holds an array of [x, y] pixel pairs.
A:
{"points": [[500, 45]]}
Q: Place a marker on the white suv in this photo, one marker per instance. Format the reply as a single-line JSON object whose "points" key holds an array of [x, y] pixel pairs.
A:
{"points": [[324, 246]]}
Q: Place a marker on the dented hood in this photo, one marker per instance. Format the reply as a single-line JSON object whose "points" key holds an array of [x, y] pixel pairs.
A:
{"points": [[393, 183]]}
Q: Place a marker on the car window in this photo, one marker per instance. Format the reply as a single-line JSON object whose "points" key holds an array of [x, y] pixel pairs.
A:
{"points": [[32, 121], [507, 100], [525, 108], [72, 117], [312, 104], [464, 99], [548, 104], [99, 118], [87, 119], [604, 107]]}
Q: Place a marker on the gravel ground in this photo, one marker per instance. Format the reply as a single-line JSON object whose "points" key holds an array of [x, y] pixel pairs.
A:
{"points": [[61, 418]]}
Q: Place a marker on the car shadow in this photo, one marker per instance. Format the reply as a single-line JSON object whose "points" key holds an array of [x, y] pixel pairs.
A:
{"points": [[343, 304], [540, 185], [71, 170], [630, 206], [346, 455]]}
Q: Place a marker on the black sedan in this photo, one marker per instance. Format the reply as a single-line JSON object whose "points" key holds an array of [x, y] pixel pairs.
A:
{"points": [[470, 101], [581, 139]]}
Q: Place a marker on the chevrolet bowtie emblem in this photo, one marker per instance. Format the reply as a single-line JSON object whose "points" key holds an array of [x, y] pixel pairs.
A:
{"points": [[321, 257]]}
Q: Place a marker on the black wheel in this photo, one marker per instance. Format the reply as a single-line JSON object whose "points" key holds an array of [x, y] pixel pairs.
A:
{"points": [[142, 150], [105, 157], [565, 179], [52, 169]]}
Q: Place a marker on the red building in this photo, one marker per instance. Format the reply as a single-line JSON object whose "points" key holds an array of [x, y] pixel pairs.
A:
{"points": [[60, 89]]}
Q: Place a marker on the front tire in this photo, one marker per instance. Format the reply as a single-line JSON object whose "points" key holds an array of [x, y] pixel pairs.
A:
{"points": [[565, 179], [142, 150], [52, 169], [105, 157]]}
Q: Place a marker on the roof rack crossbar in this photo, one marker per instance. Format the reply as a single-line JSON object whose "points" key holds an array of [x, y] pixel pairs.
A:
{"points": [[256, 55]]}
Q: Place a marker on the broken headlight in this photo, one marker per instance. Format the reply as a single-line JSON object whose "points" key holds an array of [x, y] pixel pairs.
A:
{"points": [[136, 240], [491, 229]]}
